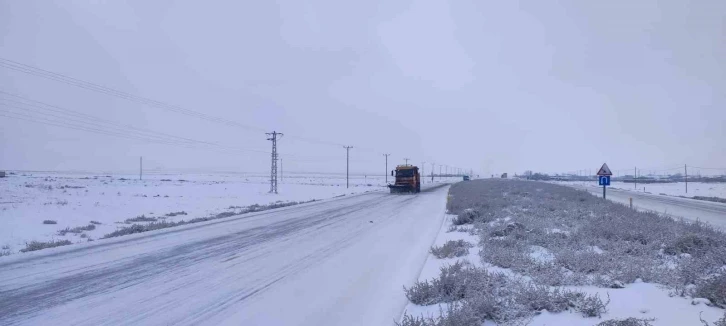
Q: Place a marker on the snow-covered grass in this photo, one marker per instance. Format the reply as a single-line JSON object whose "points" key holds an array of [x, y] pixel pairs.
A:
{"points": [[553, 255], [695, 189], [451, 249], [157, 225], [37, 245], [50, 207]]}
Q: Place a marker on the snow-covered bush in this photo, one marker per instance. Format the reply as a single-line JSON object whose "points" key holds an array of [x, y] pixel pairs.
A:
{"points": [[696, 245], [154, 225], [712, 288], [139, 228], [449, 286], [451, 249], [77, 230], [409, 320], [627, 322], [142, 218], [172, 214], [37, 245], [454, 315], [468, 216], [475, 295], [592, 306], [720, 322], [591, 241]]}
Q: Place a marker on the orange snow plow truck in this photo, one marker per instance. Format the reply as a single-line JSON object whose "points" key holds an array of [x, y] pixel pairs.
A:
{"points": [[407, 179]]}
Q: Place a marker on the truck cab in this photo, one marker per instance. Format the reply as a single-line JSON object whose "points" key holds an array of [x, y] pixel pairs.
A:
{"points": [[408, 179]]}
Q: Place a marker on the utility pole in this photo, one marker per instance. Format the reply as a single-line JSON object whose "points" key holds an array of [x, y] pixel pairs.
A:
{"points": [[432, 172], [635, 176], [347, 165], [406, 159], [273, 167], [423, 164], [685, 168], [141, 166], [386, 155]]}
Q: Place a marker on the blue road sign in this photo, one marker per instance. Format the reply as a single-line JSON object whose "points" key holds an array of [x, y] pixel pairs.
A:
{"points": [[604, 180]]}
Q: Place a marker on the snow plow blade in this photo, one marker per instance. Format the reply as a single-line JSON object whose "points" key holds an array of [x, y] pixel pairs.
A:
{"points": [[400, 189]]}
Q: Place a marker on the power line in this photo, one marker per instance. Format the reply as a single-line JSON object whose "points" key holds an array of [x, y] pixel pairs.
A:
{"points": [[95, 122], [698, 167], [159, 137], [104, 130], [109, 128], [102, 126], [65, 79]]}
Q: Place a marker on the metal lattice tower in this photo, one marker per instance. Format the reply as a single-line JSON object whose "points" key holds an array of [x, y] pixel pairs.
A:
{"points": [[273, 169]]}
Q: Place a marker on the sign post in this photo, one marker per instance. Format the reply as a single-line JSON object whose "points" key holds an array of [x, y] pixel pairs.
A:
{"points": [[604, 177]]}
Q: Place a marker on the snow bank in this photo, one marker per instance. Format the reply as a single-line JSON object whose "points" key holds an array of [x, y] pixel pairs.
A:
{"points": [[74, 200]]}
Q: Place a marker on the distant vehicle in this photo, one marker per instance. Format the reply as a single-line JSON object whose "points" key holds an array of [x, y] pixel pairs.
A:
{"points": [[407, 179], [466, 178], [504, 175]]}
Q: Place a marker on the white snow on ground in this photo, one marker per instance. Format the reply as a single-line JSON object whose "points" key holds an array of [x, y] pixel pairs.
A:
{"points": [[432, 265], [336, 262], [73, 200], [639, 300], [670, 189], [541, 254]]}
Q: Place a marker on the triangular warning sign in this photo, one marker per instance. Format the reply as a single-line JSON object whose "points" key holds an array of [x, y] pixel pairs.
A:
{"points": [[604, 170]]}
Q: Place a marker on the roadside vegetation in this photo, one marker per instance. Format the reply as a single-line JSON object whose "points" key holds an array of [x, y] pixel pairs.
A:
{"points": [[38, 245], [474, 294], [157, 225], [5, 251], [451, 249], [713, 199], [77, 230], [549, 237]]}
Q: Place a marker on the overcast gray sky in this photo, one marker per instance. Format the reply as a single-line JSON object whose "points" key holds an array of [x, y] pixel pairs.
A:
{"points": [[496, 86]]}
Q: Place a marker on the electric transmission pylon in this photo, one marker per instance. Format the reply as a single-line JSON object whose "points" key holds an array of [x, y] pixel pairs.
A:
{"points": [[273, 169]]}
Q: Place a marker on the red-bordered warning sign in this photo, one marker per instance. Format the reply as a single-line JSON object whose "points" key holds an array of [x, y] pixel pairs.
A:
{"points": [[604, 170]]}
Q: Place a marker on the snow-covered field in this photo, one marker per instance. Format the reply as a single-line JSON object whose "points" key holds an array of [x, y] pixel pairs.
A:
{"points": [[74, 200], [670, 189]]}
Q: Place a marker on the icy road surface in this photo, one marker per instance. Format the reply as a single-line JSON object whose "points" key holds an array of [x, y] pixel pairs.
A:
{"points": [[338, 262], [692, 209]]}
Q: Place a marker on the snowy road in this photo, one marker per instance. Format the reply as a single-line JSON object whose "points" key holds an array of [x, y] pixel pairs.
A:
{"points": [[711, 212], [339, 262]]}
